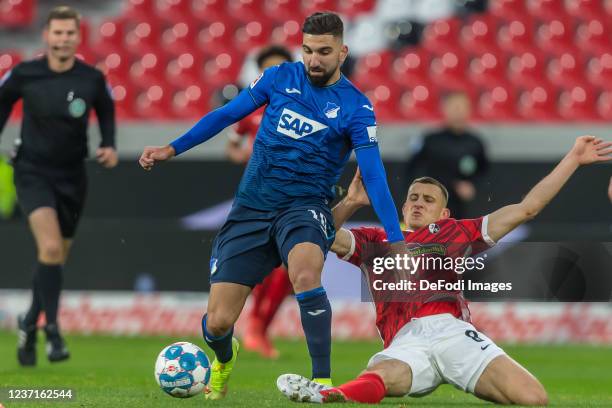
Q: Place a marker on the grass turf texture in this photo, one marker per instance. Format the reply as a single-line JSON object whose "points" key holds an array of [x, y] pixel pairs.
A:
{"points": [[118, 372]]}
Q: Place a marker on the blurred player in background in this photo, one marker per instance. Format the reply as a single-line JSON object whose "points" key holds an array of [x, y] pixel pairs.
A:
{"points": [[314, 118], [428, 338], [58, 92], [269, 295], [453, 154]]}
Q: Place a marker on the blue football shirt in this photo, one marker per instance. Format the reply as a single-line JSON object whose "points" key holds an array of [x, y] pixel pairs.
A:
{"points": [[305, 138]]}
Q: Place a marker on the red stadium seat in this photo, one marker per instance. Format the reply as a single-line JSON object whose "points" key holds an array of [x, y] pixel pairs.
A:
{"points": [[441, 36], [578, 103], [538, 103], [143, 38], [246, 10], [150, 69], [546, 9], [174, 11], [179, 39], [600, 71], [138, 10], [209, 10], [283, 10], [185, 70], [488, 69], [411, 67], [420, 103], [448, 72], [217, 37], [508, 9], [8, 59], [594, 37], [111, 34], [289, 33], [116, 64], [17, 13], [566, 70], [584, 9], [124, 96], [352, 8], [479, 35], [385, 100], [154, 103], [556, 36], [516, 36], [222, 69], [526, 70], [312, 6], [604, 105], [190, 103], [498, 103], [255, 33], [373, 68]]}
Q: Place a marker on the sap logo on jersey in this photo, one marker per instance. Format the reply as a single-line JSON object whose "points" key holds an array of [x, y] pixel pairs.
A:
{"points": [[294, 125]]}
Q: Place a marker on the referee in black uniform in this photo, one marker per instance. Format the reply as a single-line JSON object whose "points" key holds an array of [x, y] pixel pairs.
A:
{"points": [[58, 92]]}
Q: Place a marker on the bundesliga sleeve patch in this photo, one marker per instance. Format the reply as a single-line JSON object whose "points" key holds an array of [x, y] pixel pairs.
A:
{"points": [[372, 134]]}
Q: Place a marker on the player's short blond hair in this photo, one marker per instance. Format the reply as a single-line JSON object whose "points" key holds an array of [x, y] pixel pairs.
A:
{"points": [[431, 180], [64, 13]]}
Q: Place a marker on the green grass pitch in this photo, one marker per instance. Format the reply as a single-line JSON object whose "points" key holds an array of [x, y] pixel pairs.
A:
{"points": [[118, 372]]}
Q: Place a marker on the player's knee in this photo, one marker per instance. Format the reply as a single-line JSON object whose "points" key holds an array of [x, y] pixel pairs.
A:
{"points": [[218, 323], [534, 395], [51, 252], [304, 279]]}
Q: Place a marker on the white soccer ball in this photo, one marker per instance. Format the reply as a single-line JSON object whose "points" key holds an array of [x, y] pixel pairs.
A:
{"points": [[182, 370]]}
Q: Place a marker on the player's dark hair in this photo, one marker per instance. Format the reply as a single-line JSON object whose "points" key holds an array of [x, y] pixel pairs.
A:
{"points": [[323, 23], [273, 51], [431, 180], [64, 13]]}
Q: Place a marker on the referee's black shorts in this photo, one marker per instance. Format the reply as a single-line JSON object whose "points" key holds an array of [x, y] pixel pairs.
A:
{"points": [[61, 189]]}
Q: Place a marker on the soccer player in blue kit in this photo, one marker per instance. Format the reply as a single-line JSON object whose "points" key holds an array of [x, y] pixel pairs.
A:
{"points": [[313, 119]]}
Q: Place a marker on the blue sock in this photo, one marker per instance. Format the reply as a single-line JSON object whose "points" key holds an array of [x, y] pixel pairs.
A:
{"points": [[221, 345], [316, 315]]}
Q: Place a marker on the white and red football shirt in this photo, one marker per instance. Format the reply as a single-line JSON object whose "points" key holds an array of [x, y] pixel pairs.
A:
{"points": [[446, 238]]}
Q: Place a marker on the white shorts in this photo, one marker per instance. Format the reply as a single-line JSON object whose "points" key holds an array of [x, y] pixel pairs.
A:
{"points": [[440, 349]]}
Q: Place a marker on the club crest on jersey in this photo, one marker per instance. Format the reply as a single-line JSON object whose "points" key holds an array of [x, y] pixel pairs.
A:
{"points": [[434, 228], [331, 110], [296, 126]]}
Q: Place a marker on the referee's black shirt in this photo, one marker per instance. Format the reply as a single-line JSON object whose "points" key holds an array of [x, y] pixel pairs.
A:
{"points": [[56, 109]]}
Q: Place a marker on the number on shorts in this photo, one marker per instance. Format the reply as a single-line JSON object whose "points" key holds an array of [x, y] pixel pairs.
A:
{"points": [[473, 334]]}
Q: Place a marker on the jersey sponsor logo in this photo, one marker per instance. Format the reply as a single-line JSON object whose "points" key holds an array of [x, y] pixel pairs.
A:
{"points": [[296, 126], [256, 81], [368, 107], [293, 91], [77, 107], [426, 249], [434, 228], [331, 110], [372, 134]]}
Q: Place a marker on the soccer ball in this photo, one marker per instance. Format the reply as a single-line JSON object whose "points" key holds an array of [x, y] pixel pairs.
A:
{"points": [[182, 370]]}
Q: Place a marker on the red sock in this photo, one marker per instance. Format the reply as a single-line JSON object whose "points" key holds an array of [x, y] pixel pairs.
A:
{"points": [[277, 288], [368, 388]]}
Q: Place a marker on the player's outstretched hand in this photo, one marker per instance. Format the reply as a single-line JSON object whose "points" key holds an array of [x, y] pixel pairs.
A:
{"points": [[152, 154], [591, 149], [356, 191], [107, 157]]}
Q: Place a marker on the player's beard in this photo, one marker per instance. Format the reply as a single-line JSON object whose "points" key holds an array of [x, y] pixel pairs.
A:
{"points": [[322, 79]]}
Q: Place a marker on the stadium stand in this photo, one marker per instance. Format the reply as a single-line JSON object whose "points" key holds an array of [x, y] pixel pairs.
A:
{"points": [[543, 60]]}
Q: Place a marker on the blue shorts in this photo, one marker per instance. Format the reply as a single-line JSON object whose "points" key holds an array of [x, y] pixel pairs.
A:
{"points": [[252, 242]]}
